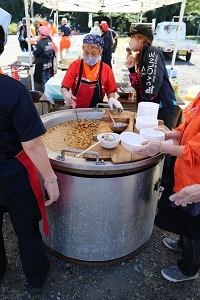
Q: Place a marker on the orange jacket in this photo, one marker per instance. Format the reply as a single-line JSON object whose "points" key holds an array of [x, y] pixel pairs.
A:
{"points": [[187, 168]]}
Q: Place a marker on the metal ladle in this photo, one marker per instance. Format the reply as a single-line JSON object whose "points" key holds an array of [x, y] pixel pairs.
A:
{"points": [[112, 118], [77, 116], [117, 127]]}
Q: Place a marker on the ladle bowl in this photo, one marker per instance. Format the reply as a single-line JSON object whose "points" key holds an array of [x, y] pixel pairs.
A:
{"points": [[109, 143], [118, 127]]}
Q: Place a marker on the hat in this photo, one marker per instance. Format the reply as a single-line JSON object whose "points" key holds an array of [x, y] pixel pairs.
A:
{"points": [[5, 19], [104, 26], [142, 29], [93, 40], [50, 21], [44, 30], [24, 20]]}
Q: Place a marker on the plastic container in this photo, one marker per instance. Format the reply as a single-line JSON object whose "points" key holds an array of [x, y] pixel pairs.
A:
{"points": [[174, 83], [130, 96], [174, 72]]}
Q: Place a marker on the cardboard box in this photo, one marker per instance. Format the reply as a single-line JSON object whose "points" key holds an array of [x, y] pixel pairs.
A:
{"points": [[24, 57]]}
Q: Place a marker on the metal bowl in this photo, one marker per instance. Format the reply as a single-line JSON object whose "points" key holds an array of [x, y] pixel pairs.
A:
{"points": [[118, 127]]}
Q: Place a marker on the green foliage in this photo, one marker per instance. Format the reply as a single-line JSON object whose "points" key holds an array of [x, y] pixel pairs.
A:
{"points": [[13, 28]]}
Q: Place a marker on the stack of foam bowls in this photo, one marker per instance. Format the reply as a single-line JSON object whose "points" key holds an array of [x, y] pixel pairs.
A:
{"points": [[146, 121], [151, 134], [148, 109]]}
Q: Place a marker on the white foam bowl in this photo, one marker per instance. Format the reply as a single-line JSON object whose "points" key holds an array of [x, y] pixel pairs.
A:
{"points": [[129, 140], [109, 144], [148, 105], [145, 121], [152, 134]]}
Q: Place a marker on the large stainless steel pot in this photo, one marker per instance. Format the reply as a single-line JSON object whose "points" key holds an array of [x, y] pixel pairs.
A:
{"points": [[105, 212]]}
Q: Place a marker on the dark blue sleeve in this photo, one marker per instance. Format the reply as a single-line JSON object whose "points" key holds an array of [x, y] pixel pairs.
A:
{"points": [[19, 118]]}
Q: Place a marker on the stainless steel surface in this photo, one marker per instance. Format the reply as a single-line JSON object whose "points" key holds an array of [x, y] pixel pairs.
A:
{"points": [[102, 219], [104, 212], [80, 165]]}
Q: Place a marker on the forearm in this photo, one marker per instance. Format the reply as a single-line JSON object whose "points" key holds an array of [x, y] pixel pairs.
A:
{"points": [[64, 89], [36, 151], [173, 135], [172, 149], [111, 95]]}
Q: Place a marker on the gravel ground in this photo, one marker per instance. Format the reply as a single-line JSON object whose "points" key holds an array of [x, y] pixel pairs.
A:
{"points": [[136, 279]]}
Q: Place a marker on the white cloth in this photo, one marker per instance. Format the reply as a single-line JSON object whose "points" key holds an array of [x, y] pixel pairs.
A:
{"points": [[95, 30], [5, 19], [53, 89]]}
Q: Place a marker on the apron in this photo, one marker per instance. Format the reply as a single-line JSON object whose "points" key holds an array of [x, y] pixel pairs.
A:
{"points": [[65, 42], [88, 93], [34, 181]]}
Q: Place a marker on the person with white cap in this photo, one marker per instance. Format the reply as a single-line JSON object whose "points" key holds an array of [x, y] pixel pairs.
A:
{"points": [[88, 80], [65, 34], [22, 156], [43, 52], [96, 29]]}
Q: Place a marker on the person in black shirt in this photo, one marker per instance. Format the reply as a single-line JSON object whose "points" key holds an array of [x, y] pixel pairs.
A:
{"points": [[22, 156], [65, 38], [108, 43], [43, 52], [22, 37]]}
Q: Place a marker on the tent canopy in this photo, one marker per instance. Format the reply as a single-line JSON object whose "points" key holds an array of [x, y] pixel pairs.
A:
{"points": [[128, 6]]}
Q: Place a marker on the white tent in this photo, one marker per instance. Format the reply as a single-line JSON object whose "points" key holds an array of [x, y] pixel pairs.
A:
{"points": [[108, 6], [128, 6]]}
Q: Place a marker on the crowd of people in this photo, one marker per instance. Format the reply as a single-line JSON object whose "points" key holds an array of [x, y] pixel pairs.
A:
{"points": [[23, 152]]}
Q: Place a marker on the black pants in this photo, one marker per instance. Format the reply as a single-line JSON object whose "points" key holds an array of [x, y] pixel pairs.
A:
{"points": [[25, 215], [190, 262], [182, 223], [23, 46], [168, 122]]}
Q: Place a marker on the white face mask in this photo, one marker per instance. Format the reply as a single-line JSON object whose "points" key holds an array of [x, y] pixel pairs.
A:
{"points": [[91, 61]]}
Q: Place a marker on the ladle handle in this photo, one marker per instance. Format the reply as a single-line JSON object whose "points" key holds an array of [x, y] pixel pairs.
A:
{"points": [[77, 116], [112, 118], [91, 146]]}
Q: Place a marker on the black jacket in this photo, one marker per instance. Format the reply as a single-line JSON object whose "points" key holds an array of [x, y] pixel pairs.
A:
{"points": [[154, 84], [107, 48], [43, 51]]}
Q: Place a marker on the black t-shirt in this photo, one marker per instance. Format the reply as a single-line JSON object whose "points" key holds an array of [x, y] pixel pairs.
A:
{"points": [[64, 28], [19, 122]]}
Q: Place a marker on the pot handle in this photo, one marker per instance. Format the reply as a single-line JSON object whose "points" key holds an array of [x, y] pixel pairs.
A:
{"points": [[62, 156], [157, 184], [106, 105]]}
